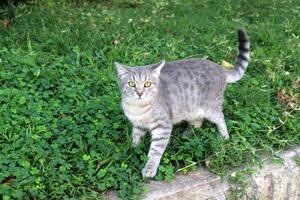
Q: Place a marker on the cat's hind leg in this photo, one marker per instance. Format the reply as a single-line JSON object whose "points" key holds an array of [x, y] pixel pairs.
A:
{"points": [[218, 119]]}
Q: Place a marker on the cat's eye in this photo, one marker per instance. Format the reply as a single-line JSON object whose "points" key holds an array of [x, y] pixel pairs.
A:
{"points": [[147, 84], [131, 83]]}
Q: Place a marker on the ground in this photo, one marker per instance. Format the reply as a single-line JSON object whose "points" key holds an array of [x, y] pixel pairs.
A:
{"points": [[63, 134]]}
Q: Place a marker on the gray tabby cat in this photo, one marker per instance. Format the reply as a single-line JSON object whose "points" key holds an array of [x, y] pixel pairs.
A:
{"points": [[157, 96]]}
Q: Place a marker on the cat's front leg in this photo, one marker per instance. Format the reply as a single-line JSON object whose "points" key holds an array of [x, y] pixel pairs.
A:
{"points": [[137, 135], [160, 137]]}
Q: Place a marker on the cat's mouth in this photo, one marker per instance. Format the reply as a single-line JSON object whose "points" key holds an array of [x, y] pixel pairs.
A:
{"points": [[137, 101], [139, 97]]}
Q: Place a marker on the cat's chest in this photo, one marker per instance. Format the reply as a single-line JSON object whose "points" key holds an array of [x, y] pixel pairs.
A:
{"points": [[138, 114]]}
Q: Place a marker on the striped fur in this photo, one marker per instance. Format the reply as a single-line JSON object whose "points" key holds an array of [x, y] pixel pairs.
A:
{"points": [[243, 58], [186, 90]]}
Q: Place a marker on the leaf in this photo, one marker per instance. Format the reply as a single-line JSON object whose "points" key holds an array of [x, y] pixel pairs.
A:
{"points": [[297, 159], [93, 23], [86, 157], [281, 96], [289, 99], [226, 64], [9, 180], [22, 100], [6, 24], [295, 83], [116, 42]]}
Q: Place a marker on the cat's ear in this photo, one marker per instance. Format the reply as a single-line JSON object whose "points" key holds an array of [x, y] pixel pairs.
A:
{"points": [[121, 69], [157, 67]]}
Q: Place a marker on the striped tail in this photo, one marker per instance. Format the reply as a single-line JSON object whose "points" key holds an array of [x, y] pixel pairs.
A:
{"points": [[242, 59]]}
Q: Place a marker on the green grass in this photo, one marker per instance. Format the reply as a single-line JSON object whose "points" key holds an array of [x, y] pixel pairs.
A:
{"points": [[63, 134], [297, 159]]}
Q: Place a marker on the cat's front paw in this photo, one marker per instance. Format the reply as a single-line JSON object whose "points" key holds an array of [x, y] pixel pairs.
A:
{"points": [[225, 137], [149, 171]]}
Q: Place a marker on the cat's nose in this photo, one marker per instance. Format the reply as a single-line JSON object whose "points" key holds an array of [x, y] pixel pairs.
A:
{"points": [[139, 93]]}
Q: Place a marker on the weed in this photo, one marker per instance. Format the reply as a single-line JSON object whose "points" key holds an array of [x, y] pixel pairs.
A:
{"points": [[297, 159]]}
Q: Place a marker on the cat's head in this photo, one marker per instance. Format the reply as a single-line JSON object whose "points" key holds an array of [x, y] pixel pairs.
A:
{"points": [[139, 83]]}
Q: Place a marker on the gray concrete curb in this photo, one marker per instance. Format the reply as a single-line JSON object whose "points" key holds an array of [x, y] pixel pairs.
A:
{"points": [[272, 181]]}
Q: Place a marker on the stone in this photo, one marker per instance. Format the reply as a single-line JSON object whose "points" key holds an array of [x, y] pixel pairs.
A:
{"points": [[271, 182]]}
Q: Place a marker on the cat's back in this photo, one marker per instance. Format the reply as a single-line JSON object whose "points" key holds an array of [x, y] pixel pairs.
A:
{"points": [[193, 71]]}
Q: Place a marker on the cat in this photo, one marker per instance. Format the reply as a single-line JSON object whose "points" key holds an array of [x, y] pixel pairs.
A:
{"points": [[157, 96]]}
